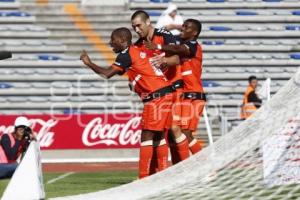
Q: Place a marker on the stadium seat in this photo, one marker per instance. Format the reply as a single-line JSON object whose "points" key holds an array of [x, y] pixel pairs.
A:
{"points": [[5, 85], [210, 84], [73, 111], [296, 12], [272, 1], [160, 1], [153, 13], [216, 42], [292, 27], [219, 28], [14, 14], [245, 13], [48, 57], [216, 1], [295, 56]]}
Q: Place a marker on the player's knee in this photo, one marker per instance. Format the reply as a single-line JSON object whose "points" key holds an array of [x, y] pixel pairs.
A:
{"points": [[176, 131], [146, 135], [188, 134]]}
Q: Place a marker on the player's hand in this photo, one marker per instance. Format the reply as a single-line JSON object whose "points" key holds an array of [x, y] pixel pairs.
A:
{"points": [[158, 61], [85, 58], [150, 45]]}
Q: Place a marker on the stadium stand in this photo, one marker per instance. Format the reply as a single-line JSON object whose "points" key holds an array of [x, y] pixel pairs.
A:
{"points": [[240, 38]]}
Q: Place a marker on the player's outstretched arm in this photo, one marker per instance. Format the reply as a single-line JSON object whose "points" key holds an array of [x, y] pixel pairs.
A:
{"points": [[104, 72]]}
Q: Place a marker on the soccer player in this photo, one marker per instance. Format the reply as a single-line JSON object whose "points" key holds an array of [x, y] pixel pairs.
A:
{"points": [[190, 53], [141, 24], [148, 82]]}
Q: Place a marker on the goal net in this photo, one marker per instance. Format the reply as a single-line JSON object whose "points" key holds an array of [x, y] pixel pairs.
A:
{"points": [[259, 159]]}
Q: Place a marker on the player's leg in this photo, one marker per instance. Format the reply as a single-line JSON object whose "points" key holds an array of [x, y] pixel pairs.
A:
{"points": [[191, 114], [154, 118], [146, 152], [177, 140]]}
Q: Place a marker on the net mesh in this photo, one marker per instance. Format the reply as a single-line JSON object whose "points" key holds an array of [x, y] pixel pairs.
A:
{"points": [[233, 167]]}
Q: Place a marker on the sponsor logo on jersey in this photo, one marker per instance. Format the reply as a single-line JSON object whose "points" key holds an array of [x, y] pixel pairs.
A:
{"points": [[143, 55]]}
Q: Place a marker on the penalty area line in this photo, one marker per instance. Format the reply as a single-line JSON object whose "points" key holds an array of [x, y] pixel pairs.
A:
{"points": [[60, 177]]}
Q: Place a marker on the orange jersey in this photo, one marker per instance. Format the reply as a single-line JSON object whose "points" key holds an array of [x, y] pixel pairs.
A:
{"points": [[191, 68], [162, 37], [144, 79]]}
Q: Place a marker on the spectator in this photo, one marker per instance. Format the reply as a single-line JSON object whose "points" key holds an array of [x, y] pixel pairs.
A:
{"points": [[12, 145], [251, 102], [170, 20]]}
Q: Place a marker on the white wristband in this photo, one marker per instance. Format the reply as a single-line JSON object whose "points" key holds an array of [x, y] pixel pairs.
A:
{"points": [[159, 47]]}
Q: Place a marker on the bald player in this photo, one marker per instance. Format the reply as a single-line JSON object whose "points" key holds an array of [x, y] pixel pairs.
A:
{"points": [[141, 24]]}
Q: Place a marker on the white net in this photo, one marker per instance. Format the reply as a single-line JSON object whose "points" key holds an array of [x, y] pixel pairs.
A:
{"points": [[240, 166]]}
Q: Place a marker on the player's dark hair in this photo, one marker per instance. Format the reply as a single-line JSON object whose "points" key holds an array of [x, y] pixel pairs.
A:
{"points": [[251, 78], [140, 13], [197, 25], [123, 33]]}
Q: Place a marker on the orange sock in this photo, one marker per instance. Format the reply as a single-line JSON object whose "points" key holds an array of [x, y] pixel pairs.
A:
{"points": [[174, 153], [162, 155], [153, 165], [146, 152], [194, 146], [182, 145]]}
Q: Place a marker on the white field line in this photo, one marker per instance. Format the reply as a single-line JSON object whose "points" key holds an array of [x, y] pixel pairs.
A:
{"points": [[60, 177]]}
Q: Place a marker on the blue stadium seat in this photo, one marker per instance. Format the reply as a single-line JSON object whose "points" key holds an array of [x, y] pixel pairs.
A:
{"points": [[5, 85], [153, 13], [292, 27], [48, 57], [160, 1], [272, 1], [71, 111], [216, 1], [219, 28], [295, 56], [245, 13], [18, 14], [210, 84], [213, 42], [14, 14], [296, 12]]}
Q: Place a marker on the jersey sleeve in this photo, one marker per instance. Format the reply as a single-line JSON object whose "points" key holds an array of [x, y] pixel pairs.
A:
{"points": [[192, 46], [169, 38], [122, 62]]}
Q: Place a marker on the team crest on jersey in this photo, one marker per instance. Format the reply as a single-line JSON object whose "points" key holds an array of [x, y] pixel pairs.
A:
{"points": [[143, 55]]}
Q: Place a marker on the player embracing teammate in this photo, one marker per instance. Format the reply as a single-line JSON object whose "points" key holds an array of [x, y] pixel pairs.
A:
{"points": [[189, 98], [169, 87]]}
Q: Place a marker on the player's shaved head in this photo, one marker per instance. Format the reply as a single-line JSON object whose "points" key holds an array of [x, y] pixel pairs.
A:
{"points": [[123, 33], [196, 25], [140, 13]]}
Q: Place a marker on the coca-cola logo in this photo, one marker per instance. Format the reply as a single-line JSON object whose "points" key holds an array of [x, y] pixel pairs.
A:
{"points": [[82, 131], [96, 132]]}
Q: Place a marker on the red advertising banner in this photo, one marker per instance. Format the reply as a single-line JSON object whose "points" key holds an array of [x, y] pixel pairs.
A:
{"points": [[85, 131]]}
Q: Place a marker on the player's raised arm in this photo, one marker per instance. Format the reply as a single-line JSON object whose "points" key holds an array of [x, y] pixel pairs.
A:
{"points": [[103, 72]]}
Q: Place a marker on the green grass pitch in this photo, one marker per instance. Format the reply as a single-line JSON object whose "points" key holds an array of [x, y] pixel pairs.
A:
{"points": [[79, 183]]}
